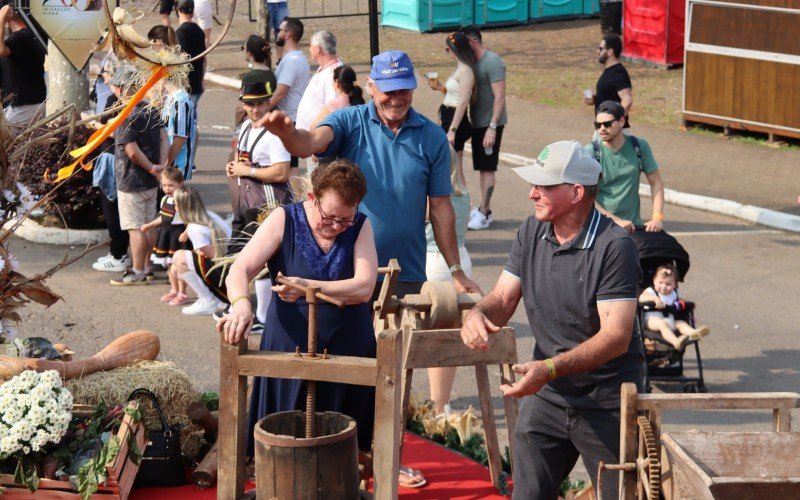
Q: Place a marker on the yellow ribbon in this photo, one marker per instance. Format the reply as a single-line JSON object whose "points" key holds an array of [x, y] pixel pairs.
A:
{"points": [[106, 130]]}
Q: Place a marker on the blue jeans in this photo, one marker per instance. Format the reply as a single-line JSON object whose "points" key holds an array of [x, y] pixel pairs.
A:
{"points": [[277, 13], [549, 439]]}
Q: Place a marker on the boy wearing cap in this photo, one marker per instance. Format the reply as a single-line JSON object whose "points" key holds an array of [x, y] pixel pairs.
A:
{"points": [[406, 160], [624, 158], [578, 274], [261, 165], [140, 148]]}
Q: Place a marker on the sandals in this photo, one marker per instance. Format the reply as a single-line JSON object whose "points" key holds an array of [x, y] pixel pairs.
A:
{"points": [[169, 296], [180, 299], [411, 478]]}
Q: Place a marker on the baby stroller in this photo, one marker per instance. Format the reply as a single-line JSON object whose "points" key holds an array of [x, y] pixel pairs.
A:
{"points": [[665, 363]]}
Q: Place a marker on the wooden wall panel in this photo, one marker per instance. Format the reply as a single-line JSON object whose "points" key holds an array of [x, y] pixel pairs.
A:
{"points": [[747, 89], [746, 29], [787, 4]]}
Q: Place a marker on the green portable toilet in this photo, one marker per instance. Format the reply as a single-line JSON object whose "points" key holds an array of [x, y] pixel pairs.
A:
{"points": [[557, 9], [591, 8], [489, 12], [426, 15]]}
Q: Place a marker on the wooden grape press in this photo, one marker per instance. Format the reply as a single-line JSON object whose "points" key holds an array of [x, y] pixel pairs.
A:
{"points": [[417, 331], [431, 325], [705, 465], [298, 473]]}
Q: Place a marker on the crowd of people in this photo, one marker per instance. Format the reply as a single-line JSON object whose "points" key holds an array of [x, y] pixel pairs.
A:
{"points": [[386, 182]]}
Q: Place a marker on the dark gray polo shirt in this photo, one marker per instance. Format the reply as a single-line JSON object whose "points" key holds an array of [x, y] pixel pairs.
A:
{"points": [[561, 286]]}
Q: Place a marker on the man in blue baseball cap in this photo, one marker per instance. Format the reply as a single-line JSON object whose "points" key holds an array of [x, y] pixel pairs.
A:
{"points": [[406, 160]]}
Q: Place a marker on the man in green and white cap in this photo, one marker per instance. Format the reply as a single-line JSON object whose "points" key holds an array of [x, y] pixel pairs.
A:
{"points": [[578, 274]]}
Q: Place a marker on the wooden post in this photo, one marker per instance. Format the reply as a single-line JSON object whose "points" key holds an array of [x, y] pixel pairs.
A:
{"points": [[511, 407], [489, 427], [628, 442], [65, 85], [388, 415], [232, 418]]}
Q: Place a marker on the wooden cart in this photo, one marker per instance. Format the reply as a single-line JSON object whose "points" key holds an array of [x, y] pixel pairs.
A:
{"points": [[646, 466]]}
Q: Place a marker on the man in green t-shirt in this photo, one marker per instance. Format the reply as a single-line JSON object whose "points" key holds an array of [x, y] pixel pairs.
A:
{"points": [[624, 158], [488, 118]]}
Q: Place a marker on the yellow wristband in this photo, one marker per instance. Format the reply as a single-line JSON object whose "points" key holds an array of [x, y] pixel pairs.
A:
{"points": [[657, 216], [551, 368], [240, 297]]}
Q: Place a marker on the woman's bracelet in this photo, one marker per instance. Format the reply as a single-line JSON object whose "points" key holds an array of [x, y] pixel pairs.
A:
{"points": [[240, 297]]}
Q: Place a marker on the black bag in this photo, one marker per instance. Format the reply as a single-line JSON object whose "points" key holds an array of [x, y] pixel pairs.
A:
{"points": [[162, 464]]}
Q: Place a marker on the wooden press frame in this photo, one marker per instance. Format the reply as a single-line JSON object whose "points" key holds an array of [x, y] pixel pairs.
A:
{"points": [[652, 405], [383, 373]]}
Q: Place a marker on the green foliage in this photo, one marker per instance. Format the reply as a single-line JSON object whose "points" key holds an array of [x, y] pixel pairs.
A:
{"points": [[211, 400], [26, 472], [569, 485]]}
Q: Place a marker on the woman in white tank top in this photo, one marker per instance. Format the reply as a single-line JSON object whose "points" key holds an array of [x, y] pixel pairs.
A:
{"points": [[458, 90]]}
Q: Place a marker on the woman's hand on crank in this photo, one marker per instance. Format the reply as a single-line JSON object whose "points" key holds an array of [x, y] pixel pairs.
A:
{"points": [[288, 293], [237, 324]]}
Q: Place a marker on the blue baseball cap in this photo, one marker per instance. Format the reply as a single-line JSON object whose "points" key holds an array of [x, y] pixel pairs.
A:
{"points": [[392, 70]]}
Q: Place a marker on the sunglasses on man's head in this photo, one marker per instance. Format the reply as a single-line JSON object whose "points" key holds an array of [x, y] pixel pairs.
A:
{"points": [[606, 124]]}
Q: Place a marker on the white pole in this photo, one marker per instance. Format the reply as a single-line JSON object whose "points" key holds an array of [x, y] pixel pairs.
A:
{"points": [[65, 85]]}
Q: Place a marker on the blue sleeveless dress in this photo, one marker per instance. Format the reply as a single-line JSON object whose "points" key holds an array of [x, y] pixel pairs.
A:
{"points": [[347, 331]]}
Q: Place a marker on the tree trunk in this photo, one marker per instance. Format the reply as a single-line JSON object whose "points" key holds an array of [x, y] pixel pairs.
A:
{"points": [[65, 85]]}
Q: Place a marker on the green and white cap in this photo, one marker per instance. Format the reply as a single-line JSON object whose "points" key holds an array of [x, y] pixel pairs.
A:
{"points": [[562, 162]]}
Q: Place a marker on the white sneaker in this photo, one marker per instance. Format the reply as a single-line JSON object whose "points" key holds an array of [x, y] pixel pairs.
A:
{"points": [[105, 257], [202, 307], [111, 265], [479, 221]]}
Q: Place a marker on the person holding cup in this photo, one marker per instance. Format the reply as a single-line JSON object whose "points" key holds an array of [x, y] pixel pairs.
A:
{"points": [[458, 90]]}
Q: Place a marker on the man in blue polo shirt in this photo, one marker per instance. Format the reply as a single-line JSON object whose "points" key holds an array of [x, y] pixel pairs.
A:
{"points": [[578, 275], [406, 160]]}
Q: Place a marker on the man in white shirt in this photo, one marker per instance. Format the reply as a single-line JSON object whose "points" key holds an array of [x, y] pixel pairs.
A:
{"points": [[319, 91], [293, 72]]}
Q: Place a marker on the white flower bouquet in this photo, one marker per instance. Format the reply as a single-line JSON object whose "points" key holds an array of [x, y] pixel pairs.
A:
{"points": [[35, 410]]}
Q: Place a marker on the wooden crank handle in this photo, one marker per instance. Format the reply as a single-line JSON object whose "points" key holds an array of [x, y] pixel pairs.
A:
{"points": [[384, 270], [327, 298]]}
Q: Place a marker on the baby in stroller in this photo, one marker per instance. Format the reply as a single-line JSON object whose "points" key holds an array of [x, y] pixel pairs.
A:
{"points": [[664, 294]]}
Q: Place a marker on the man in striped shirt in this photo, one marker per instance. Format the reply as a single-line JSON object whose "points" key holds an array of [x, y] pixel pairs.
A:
{"points": [[181, 123]]}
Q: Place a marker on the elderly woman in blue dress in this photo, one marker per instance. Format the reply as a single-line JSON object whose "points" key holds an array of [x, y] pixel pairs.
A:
{"points": [[322, 242]]}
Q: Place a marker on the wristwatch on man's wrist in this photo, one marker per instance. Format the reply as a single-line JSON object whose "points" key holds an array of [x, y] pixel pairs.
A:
{"points": [[493, 126], [455, 268], [452, 129]]}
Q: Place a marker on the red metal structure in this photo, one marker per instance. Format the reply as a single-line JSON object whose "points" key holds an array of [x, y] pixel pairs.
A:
{"points": [[653, 31]]}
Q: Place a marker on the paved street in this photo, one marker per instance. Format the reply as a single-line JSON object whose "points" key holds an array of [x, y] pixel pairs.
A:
{"points": [[744, 279]]}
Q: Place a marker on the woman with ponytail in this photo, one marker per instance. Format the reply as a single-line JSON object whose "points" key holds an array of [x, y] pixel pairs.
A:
{"points": [[348, 93]]}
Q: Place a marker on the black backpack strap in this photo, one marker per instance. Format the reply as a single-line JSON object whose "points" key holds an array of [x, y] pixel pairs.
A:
{"points": [[255, 142], [597, 152], [638, 149]]}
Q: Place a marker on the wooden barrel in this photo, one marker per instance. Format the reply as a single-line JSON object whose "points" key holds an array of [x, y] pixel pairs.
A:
{"points": [[291, 466]]}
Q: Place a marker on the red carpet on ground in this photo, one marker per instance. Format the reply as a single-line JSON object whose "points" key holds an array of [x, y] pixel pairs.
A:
{"points": [[449, 474]]}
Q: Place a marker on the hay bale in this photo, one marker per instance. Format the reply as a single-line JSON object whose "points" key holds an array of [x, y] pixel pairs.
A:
{"points": [[170, 384]]}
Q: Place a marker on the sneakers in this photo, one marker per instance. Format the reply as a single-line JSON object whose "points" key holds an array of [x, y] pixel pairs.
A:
{"points": [[258, 328], [202, 307], [109, 264], [130, 278], [219, 313], [478, 221]]}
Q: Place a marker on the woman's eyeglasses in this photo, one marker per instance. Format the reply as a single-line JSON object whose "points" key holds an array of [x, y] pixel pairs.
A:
{"points": [[330, 221], [607, 124]]}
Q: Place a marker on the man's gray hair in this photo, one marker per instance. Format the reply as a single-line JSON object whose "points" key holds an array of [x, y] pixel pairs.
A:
{"points": [[326, 41]]}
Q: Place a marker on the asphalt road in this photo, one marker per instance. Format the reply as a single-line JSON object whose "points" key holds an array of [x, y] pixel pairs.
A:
{"points": [[744, 279]]}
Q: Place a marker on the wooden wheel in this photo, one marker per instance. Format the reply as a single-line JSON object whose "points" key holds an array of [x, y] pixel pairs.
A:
{"points": [[444, 311], [648, 462]]}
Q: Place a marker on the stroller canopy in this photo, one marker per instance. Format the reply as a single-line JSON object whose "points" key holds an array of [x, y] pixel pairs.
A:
{"points": [[659, 248]]}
